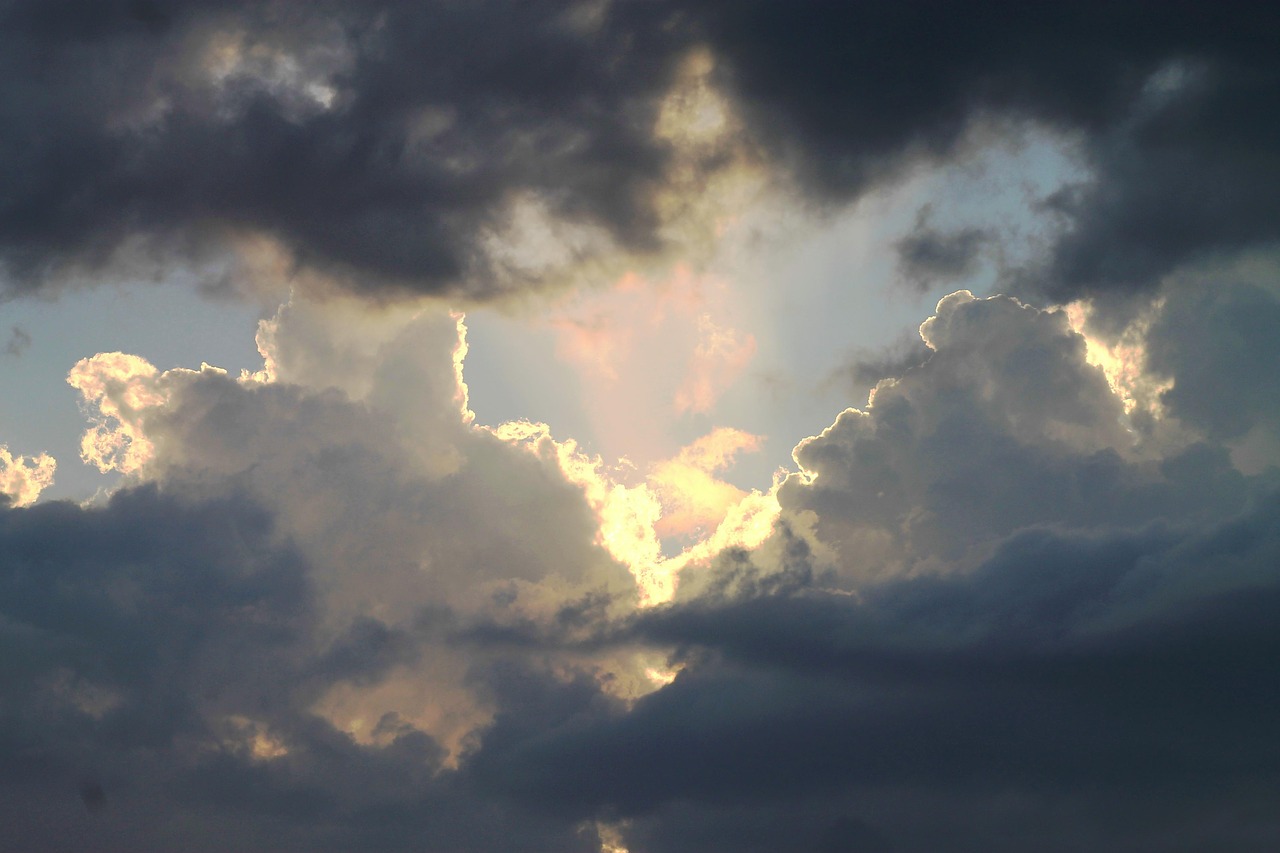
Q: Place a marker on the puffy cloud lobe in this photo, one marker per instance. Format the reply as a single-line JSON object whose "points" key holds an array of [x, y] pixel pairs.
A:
{"points": [[681, 499], [356, 435], [122, 388], [23, 478], [1005, 425], [282, 576]]}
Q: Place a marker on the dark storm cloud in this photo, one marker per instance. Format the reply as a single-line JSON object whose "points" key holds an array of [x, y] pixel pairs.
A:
{"points": [[1220, 345], [1112, 691], [379, 139], [1072, 649], [151, 645], [928, 256], [1192, 173], [382, 143], [1174, 105]]}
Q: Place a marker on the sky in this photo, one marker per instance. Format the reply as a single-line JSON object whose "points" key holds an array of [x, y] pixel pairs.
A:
{"points": [[639, 426]]}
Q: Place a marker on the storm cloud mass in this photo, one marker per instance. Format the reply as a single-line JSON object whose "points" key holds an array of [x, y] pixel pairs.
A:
{"points": [[393, 144], [1022, 593]]}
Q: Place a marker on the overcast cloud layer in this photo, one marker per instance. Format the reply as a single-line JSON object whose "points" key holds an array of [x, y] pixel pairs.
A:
{"points": [[1022, 594], [397, 145]]}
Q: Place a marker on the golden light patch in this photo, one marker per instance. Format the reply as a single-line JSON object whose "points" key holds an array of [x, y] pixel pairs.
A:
{"points": [[661, 677], [630, 516], [86, 697], [693, 500], [429, 696], [119, 392], [1124, 360], [252, 736], [610, 835]]}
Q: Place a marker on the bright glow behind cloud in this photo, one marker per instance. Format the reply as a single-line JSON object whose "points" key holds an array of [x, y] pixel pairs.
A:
{"points": [[680, 497]]}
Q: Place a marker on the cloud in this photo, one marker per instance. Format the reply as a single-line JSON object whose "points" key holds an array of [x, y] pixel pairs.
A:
{"points": [[23, 478], [718, 359], [19, 342], [1025, 596], [343, 144], [1005, 424], [1216, 346], [383, 145], [328, 610], [1067, 672], [1186, 177], [122, 388], [680, 500], [670, 346], [694, 501], [168, 653], [279, 581], [1164, 109], [927, 255], [989, 608]]}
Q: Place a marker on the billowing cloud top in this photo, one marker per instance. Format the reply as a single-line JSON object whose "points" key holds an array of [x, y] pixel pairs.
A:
{"points": [[1021, 593]]}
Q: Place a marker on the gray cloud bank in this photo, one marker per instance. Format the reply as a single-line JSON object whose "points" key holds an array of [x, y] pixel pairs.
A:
{"points": [[383, 144], [330, 615]]}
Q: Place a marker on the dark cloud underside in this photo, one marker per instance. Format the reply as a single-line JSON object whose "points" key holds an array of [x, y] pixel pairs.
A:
{"points": [[927, 255], [1175, 104], [382, 141], [377, 139]]}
